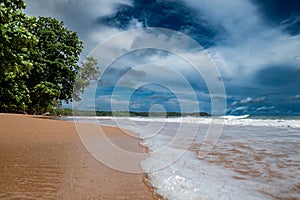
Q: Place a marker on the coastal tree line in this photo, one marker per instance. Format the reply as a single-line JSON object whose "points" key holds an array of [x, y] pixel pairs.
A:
{"points": [[39, 61]]}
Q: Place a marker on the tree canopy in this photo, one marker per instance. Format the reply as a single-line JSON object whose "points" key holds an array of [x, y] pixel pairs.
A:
{"points": [[39, 61], [15, 40]]}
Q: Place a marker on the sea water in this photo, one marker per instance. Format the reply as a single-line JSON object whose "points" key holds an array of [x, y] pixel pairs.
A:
{"points": [[254, 158]]}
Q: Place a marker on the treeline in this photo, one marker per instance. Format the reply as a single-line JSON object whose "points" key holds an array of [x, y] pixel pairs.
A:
{"points": [[39, 61], [70, 112]]}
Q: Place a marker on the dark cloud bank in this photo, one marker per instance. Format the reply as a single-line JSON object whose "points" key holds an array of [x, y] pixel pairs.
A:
{"points": [[254, 43]]}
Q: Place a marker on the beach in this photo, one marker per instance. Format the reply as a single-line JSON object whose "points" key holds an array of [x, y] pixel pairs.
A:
{"points": [[42, 158]]}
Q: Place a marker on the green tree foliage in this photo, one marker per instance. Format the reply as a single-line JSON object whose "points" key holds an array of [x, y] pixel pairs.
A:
{"points": [[45, 96], [87, 71], [15, 43], [39, 59], [55, 67]]}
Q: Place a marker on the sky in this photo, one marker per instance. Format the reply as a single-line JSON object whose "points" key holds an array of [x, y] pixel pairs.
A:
{"points": [[249, 47]]}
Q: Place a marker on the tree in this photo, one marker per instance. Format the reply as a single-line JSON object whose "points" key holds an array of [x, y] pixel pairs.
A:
{"points": [[55, 67], [87, 71], [39, 61], [16, 42]]}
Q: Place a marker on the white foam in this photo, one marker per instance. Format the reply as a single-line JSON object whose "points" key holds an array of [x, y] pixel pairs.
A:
{"points": [[263, 155], [228, 120], [232, 117], [192, 179]]}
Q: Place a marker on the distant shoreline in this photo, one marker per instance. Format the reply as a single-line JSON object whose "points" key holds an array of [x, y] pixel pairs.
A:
{"points": [[70, 112]]}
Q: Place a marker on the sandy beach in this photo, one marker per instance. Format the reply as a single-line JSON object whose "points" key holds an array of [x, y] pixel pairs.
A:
{"points": [[44, 159]]}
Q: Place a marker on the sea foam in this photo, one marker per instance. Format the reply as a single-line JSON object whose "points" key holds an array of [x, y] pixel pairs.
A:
{"points": [[253, 159]]}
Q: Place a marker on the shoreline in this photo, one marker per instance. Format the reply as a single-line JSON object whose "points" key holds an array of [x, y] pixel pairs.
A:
{"points": [[43, 157]]}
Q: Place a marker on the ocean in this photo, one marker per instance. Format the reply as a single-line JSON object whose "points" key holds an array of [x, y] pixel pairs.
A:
{"points": [[251, 158]]}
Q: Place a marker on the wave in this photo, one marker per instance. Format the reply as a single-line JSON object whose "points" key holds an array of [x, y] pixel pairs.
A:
{"points": [[263, 161], [231, 117], [243, 120]]}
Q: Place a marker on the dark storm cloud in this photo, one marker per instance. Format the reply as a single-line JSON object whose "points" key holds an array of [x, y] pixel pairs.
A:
{"points": [[255, 44], [285, 14], [278, 76], [146, 96], [111, 75], [173, 15]]}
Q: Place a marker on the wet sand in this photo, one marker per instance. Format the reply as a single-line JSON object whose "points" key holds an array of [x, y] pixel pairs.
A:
{"points": [[45, 159]]}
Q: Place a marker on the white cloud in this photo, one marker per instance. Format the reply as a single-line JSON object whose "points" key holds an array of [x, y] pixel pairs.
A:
{"points": [[293, 98], [240, 108], [253, 100], [247, 44], [265, 108], [79, 16]]}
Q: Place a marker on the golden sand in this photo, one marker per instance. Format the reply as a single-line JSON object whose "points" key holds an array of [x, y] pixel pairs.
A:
{"points": [[45, 159]]}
